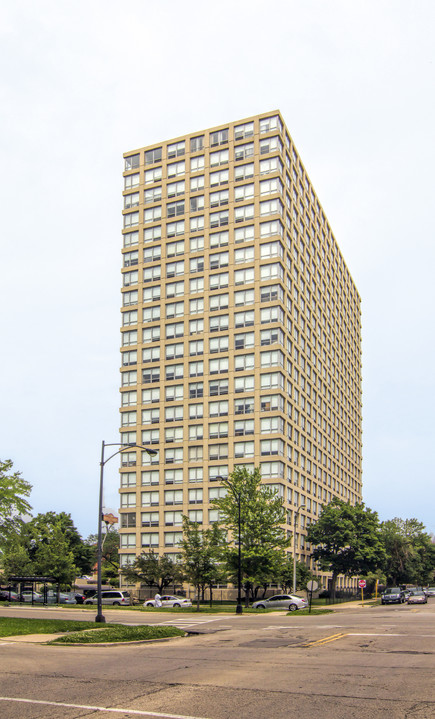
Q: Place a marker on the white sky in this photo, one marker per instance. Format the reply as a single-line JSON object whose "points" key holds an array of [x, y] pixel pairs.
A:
{"points": [[83, 82]]}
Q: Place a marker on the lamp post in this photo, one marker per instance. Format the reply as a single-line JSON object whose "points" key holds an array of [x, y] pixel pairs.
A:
{"points": [[294, 545], [152, 452], [237, 496]]}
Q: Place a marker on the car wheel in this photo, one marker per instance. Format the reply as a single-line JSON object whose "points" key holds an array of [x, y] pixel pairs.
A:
{"points": [[116, 604], [292, 607], [176, 605], [149, 604], [260, 606]]}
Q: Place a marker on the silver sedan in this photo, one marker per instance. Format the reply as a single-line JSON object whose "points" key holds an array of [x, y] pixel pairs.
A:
{"points": [[168, 601], [282, 601]]}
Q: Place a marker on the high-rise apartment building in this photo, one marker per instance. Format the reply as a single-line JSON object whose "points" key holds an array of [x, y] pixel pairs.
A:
{"points": [[241, 337]]}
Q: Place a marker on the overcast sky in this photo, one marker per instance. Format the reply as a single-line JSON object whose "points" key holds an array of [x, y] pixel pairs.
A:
{"points": [[84, 81]]}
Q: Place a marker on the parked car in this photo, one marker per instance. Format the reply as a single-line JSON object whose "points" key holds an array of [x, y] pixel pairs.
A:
{"points": [[63, 598], [430, 592], [417, 597], [27, 596], [8, 596], [168, 600], [114, 597], [393, 595], [80, 598], [282, 601]]}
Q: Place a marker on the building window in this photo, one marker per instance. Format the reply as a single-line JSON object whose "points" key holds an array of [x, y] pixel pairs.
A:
{"points": [[221, 177], [220, 137], [153, 156], [196, 143], [153, 195], [174, 392], [244, 234], [244, 405], [219, 281], [131, 162], [154, 175], [241, 152], [217, 387], [218, 409], [195, 496], [219, 366], [243, 449], [176, 149], [221, 157], [197, 164], [150, 519], [217, 451], [149, 499], [245, 130], [149, 539], [220, 259], [244, 340], [218, 302], [218, 344], [244, 192], [243, 172], [219, 219], [243, 427], [244, 384], [150, 477], [176, 168], [244, 277], [173, 189], [217, 430], [197, 183], [219, 323], [196, 389]]}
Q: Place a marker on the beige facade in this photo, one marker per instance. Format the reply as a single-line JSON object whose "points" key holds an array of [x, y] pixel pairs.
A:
{"points": [[241, 334]]}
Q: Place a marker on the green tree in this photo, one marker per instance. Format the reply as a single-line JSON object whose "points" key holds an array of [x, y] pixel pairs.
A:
{"points": [[110, 553], [15, 560], [347, 540], [153, 570], [41, 527], [263, 539], [410, 553], [201, 552], [303, 574], [13, 503], [54, 558]]}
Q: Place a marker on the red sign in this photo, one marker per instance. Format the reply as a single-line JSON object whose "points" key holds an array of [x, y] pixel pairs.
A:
{"points": [[362, 583]]}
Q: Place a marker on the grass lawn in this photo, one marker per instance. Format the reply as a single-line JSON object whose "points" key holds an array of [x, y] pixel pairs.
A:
{"points": [[11, 626], [119, 633]]}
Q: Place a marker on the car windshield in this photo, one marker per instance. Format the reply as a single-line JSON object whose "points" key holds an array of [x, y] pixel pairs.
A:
{"points": [[392, 590], [417, 594]]}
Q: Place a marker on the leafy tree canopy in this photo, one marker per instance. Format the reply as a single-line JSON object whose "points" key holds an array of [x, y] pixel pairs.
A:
{"points": [[153, 570], [263, 539], [13, 503], [40, 529], [347, 540], [410, 552], [200, 552]]}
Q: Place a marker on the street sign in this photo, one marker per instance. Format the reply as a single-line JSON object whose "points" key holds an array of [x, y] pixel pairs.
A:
{"points": [[362, 583], [312, 585]]}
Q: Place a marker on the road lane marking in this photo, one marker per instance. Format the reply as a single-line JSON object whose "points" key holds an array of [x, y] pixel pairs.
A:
{"points": [[136, 712], [325, 640]]}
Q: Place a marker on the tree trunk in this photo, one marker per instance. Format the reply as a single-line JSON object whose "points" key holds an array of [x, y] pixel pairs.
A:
{"points": [[198, 596], [333, 583]]}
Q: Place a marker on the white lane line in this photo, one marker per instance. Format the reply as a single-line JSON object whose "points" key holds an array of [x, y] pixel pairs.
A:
{"points": [[137, 712]]}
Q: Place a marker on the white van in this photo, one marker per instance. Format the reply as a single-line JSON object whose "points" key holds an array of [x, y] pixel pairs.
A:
{"points": [[111, 596]]}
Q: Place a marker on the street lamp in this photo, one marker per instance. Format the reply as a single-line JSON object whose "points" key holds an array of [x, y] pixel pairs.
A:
{"points": [[237, 496], [152, 452], [294, 545]]}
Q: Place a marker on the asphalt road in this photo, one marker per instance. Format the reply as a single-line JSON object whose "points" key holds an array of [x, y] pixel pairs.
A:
{"points": [[363, 662]]}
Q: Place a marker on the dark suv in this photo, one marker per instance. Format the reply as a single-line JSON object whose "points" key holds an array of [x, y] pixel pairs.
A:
{"points": [[393, 595]]}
